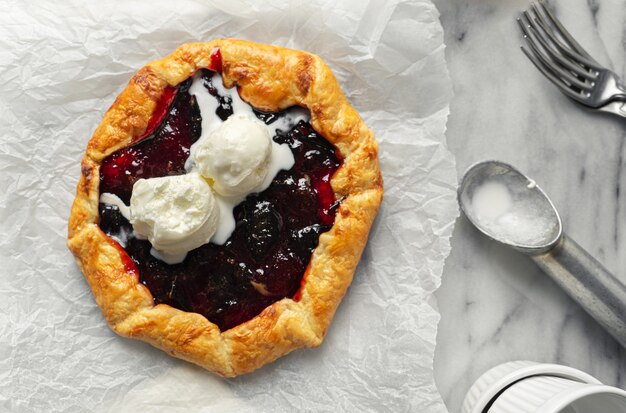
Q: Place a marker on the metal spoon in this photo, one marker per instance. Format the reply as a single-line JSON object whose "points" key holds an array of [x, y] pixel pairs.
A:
{"points": [[510, 208]]}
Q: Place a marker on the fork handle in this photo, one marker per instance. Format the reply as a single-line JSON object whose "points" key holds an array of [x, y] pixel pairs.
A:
{"points": [[620, 96], [616, 107]]}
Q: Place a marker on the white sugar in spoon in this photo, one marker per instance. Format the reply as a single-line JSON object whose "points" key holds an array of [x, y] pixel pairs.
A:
{"points": [[510, 208]]}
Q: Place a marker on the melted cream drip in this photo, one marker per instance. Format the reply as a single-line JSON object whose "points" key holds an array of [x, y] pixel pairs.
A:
{"points": [[491, 201], [112, 199]]}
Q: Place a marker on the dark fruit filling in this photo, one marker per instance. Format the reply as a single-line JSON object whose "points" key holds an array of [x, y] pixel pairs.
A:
{"points": [[276, 231]]}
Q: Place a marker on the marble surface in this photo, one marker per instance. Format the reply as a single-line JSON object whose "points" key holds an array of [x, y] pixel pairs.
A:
{"points": [[495, 305]]}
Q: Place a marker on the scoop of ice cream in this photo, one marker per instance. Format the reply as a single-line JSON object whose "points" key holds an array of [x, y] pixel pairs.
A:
{"points": [[175, 213], [235, 156]]}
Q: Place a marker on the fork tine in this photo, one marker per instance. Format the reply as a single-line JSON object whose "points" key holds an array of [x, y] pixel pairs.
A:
{"points": [[557, 82], [564, 33], [547, 33], [565, 77], [571, 48], [556, 55]]}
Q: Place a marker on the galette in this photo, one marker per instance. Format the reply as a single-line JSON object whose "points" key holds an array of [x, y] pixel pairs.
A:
{"points": [[224, 202]]}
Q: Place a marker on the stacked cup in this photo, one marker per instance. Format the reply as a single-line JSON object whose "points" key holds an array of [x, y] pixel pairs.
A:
{"points": [[526, 386]]}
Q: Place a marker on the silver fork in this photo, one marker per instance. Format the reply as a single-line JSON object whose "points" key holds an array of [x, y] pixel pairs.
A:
{"points": [[566, 64]]}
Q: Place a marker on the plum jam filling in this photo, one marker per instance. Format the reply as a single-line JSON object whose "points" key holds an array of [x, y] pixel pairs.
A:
{"points": [[276, 230]]}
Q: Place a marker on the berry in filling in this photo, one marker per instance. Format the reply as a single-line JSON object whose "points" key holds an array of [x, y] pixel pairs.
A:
{"points": [[276, 231]]}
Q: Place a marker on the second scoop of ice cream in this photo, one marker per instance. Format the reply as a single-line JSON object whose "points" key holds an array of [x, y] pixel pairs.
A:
{"points": [[235, 156], [175, 213]]}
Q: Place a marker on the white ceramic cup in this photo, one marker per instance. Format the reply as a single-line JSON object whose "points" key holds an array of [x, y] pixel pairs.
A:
{"points": [[526, 386]]}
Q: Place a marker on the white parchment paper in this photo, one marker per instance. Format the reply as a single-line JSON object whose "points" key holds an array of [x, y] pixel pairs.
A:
{"points": [[61, 65]]}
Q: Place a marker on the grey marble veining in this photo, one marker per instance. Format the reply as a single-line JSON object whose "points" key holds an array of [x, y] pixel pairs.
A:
{"points": [[495, 305]]}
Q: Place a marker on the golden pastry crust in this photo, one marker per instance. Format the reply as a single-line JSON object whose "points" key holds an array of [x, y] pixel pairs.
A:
{"points": [[272, 79]]}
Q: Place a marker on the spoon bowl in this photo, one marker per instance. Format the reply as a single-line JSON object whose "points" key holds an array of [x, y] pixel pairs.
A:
{"points": [[510, 208]]}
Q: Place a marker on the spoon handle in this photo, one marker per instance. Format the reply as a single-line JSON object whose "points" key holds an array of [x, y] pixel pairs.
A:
{"points": [[590, 284]]}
